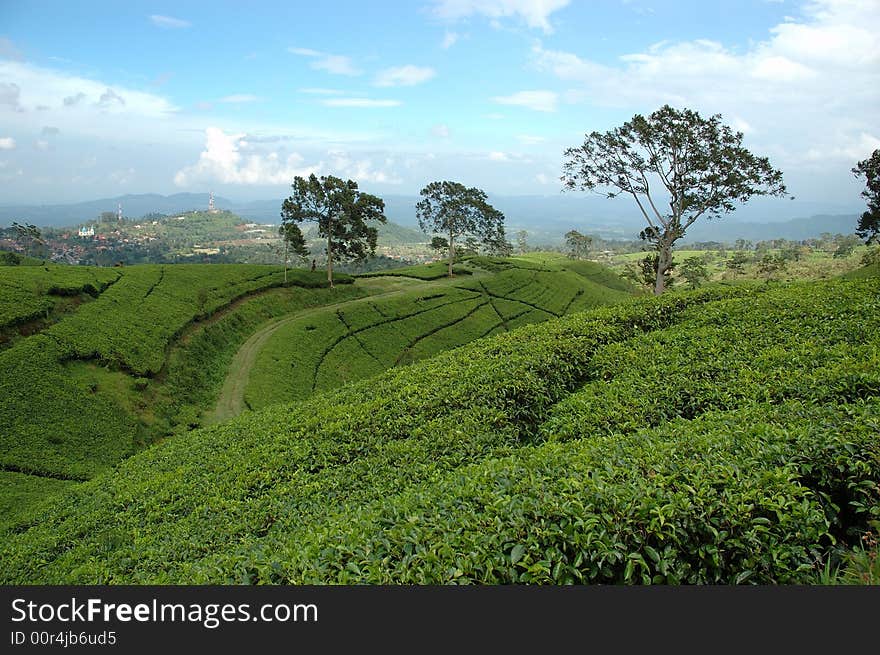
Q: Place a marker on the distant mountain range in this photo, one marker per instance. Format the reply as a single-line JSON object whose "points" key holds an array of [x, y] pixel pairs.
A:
{"points": [[545, 218]]}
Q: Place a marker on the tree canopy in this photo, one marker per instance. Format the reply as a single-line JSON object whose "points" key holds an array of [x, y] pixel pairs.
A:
{"points": [[579, 245], [458, 212], [869, 222], [341, 212], [698, 163]]}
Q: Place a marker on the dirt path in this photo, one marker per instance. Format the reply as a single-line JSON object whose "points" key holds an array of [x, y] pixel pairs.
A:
{"points": [[230, 402]]}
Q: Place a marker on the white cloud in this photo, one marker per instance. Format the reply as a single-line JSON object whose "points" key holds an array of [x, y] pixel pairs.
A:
{"points": [[70, 101], [813, 86], [529, 139], [237, 98], [41, 144], [542, 178], [449, 40], [32, 86], [441, 131], [234, 159], [535, 100], [222, 161], [168, 22], [335, 64], [361, 170], [408, 75], [10, 95], [305, 52], [535, 13], [110, 99], [7, 143], [359, 102], [498, 156], [851, 150]]}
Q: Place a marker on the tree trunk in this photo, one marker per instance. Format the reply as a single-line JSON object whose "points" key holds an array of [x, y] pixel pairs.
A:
{"points": [[451, 253], [664, 258], [330, 259]]}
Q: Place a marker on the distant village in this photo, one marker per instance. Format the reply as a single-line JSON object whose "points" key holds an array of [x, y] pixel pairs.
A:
{"points": [[209, 235]]}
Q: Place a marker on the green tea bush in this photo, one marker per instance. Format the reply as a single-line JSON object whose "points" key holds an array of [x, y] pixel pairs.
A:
{"points": [[204, 505], [732, 497]]}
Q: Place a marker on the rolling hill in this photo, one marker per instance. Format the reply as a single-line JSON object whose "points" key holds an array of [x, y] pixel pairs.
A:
{"points": [[98, 363], [540, 455]]}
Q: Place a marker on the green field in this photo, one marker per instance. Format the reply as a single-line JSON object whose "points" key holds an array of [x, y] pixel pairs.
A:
{"points": [[543, 455], [433, 271], [326, 350], [28, 293], [811, 265], [103, 370]]}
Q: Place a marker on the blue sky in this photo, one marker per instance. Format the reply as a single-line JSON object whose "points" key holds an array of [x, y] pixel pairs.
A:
{"points": [[101, 99]]}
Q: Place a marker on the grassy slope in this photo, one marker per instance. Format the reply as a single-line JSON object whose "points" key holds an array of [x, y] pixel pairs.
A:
{"points": [[326, 350], [440, 472], [67, 418]]}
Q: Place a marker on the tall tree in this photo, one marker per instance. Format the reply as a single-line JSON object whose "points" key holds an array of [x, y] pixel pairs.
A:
{"points": [[294, 242], [522, 241], [341, 213], [579, 245], [693, 269], [456, 211], [869, 222], [699, 163], [29, 235]]}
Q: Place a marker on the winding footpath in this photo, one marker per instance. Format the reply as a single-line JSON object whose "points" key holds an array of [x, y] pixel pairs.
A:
{"points": [[230, 402]]}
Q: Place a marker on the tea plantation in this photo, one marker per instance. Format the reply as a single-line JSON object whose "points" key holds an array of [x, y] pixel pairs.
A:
{"points": [[85, 385], [724, 435], [325, 351]]}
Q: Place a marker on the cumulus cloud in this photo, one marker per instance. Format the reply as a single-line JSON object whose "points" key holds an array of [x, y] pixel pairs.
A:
{"points": [[168, 22], [408, 75], [534, 100], [10, 96], [535, 13], [813, 84], [71, 101], [32, 86], [366, 103], [222, 161], [334, 64], [362, 169], [505, 157], [7, 143], [238, 159], [110, 99]]}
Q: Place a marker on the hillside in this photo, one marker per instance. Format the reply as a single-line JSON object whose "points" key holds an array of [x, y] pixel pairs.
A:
{"points": [[726, 435], [98, 363], [325, 350]]}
